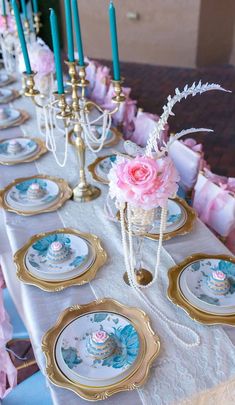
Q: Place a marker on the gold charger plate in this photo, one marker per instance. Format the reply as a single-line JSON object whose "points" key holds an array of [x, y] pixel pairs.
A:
{"points": [[24, 116], [176, 296], [10, 80], [149, 349], [65, 194], [92, 169], [112, 142], [41, 151], [15, 94], [52, 286], [183, 230]]}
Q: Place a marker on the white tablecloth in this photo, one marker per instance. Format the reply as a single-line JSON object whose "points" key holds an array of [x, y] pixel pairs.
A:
{"points": [[179, 374]]}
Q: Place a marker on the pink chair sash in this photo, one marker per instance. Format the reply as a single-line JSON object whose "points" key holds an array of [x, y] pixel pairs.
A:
{"points": [[215, 205], [188, 163]]}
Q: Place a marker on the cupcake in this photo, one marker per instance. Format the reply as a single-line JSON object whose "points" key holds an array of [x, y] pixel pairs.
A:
{"points": [[218, 283], [35, 191], [100, 345], [14, 147], [57, 252]]}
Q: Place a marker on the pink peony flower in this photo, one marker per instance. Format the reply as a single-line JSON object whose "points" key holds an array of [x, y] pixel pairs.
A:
{"points": [[41, 58], [143, 182], [10, 27]]}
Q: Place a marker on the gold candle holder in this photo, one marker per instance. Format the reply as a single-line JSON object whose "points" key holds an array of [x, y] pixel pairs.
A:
{"points": [[84, 191], [29, 85], [37, 21]]}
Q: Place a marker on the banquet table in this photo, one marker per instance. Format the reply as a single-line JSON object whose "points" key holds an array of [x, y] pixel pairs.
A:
{"points": [[180, 375]]}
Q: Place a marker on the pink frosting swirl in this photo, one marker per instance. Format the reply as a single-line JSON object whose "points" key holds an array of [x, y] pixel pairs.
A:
{"points": [[100, 336], [219, 275]]}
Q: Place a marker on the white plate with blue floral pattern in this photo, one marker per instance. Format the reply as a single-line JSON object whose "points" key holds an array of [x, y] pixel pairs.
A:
{"points": [[11, 114], [23, 148], [79, 257], [102, 169], [193, 283], [5, 94], [17, 196], [176, 217], [72, 350]]}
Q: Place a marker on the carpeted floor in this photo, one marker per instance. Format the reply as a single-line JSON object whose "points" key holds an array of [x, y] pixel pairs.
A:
{"points": [[216, 110]]}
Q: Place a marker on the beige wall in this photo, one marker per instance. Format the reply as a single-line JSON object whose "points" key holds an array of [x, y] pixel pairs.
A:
{"points": [[167, 32]]}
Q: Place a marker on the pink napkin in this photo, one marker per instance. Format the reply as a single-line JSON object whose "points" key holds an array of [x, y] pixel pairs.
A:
{"points": [[101, 85]]}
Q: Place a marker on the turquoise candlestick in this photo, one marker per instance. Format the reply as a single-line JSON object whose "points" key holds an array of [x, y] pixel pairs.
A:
{"points": [[24, 9], [114, 42], [56, 48], [4, 8], [35, 6], [69, 30], [78, 32], [21, 37]]}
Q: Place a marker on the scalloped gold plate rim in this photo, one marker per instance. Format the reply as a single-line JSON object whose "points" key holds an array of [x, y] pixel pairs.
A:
{"points": [[52, 286], [65, 194], [22, 119], [41, 151], [150, 345], [15, 94], [92, 169], [176, 296]]}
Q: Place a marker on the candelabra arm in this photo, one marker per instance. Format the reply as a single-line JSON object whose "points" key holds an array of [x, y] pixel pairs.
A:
{"points": [[29, 87]]}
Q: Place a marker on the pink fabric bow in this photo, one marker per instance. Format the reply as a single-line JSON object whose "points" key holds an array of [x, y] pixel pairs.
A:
{"points": [[91, 72], [8, 372]]}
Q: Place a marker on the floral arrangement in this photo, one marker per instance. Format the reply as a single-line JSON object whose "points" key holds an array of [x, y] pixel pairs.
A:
{"points": [[143, 182], [7, 26], [41, 58], [147, 182]]}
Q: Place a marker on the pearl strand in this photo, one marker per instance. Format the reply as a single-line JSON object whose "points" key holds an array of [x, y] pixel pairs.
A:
{"points": [[141, 296]]}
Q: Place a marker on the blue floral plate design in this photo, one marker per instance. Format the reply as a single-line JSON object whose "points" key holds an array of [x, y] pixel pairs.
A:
{"points": [[193, 284], [176, 218], [17, 195], [79, 259], [29, 147], [12, 115], [103, 167], [76, 363]]}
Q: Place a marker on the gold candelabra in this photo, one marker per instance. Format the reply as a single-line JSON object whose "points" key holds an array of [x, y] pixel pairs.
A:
{"points": [[72, 115]]}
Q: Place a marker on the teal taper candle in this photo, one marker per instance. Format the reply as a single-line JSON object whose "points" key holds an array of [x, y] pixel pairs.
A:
{"points": [[4, 8], [35, 6], [114, 42], [21, 37], [78, 32], [24, 9], [56, 48], [69, 30]]}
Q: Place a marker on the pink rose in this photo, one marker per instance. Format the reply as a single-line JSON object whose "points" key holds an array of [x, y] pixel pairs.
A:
{"points": [[143, 182]]}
